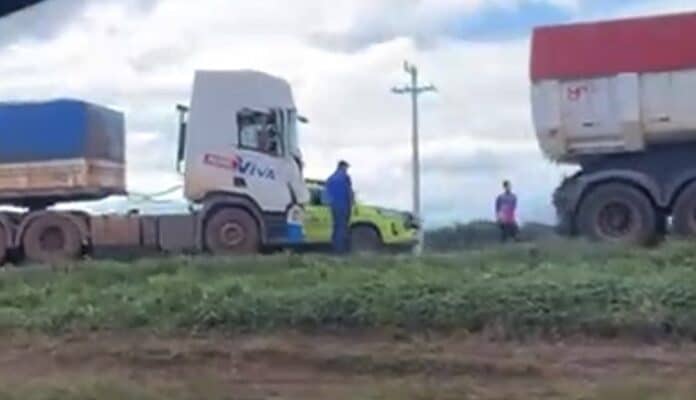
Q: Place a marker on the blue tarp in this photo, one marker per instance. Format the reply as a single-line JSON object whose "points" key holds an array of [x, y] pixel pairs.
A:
{"points": [[60, 129]]}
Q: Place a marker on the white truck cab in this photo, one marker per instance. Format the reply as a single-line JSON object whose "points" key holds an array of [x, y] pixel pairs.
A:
{"points": [[242, 161]]}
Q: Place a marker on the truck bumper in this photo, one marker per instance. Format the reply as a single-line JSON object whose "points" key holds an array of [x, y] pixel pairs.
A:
{"points": [[285, 230], [294, 233]]}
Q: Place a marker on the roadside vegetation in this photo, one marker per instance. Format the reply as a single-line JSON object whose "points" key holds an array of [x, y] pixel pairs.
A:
{"points": [[482, 234], [557, 289], [549, 320]]}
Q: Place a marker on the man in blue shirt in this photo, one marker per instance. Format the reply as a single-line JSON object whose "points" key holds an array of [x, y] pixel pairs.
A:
{"points": [[339, 190]]}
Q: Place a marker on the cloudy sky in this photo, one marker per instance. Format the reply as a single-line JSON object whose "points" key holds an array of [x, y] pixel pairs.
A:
{"points": [[342, 57]]}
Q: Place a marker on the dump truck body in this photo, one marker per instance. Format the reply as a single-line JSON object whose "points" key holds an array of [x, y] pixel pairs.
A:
{"points": [[614, 87], [617, 98]]}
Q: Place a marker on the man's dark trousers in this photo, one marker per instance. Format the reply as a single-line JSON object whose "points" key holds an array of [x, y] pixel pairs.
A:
{"points": [[339, 234]]}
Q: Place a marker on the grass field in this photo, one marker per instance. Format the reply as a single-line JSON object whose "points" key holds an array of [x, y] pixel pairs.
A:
{"points": [[553, 321], [551, 290]]}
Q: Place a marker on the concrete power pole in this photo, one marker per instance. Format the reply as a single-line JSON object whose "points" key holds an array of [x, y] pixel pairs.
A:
{"points": [[415, 90]]}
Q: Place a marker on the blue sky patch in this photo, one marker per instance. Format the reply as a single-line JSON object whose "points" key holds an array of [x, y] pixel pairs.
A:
{"points": [[495, 22]]}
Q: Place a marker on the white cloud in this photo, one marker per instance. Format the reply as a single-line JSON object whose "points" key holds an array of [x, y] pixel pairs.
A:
{"points": [[140, 57]]}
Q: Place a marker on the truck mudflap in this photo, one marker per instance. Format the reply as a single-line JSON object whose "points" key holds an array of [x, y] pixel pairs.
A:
{"points": [[565, 199], [565, 224]]}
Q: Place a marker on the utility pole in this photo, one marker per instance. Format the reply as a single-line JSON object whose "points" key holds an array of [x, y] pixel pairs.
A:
{"points": [[415, 90]]}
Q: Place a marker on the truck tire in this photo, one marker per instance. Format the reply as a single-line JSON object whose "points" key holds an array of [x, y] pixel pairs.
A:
{"points": [[232, 231], [618, 213], [52, 238], [684, 213], [365, 239]]}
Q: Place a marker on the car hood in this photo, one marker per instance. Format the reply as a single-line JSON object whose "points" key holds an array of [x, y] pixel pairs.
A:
{"points": [[392, 211]]}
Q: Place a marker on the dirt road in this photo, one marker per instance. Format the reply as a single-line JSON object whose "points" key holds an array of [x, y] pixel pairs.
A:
{"points": [[374, 366]]}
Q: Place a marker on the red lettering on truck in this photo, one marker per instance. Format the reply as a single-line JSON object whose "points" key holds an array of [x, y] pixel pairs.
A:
{"points": [[218, 161], [576, 93]]}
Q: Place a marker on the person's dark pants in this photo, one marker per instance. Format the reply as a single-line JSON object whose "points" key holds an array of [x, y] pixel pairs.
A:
{"points": [[339, 234], [508, 231]]}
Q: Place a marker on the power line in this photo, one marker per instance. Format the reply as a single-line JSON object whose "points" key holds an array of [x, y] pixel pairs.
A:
{"points": [[415, 90]]}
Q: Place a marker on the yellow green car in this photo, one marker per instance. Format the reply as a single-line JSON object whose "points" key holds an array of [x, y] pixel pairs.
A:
{"points": [[371, 228]]}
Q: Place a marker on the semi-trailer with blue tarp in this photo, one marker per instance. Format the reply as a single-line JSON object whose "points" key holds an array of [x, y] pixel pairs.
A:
{"points": [[238, 156], [60, 150]]}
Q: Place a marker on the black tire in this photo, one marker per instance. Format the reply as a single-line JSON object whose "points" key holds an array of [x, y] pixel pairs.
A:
{"points": [[618, 213], [365, 239], [684, 213], [232, 231], [52, 238], [3, 244]]}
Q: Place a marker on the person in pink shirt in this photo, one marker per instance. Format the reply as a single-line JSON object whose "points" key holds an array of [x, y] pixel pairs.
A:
{"points": [[505, 208]]}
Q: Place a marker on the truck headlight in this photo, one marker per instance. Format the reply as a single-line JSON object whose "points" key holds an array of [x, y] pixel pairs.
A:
{"points": [[296, 215]]}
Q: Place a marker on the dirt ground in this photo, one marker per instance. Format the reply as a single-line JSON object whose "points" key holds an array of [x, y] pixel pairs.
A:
{"points": [[369, 366]]}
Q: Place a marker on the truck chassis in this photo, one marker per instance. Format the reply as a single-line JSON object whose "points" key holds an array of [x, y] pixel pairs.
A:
{"points": [[628, 198], [225, 224]]}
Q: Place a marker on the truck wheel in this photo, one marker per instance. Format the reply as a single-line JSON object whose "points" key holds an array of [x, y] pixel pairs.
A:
{"points": [[620, 214], [684, 213], [232, 231], [365, 239], [52, 238]]}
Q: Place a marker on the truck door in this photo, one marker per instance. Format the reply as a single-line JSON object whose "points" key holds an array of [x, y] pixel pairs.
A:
{"points": [[260, 163]]}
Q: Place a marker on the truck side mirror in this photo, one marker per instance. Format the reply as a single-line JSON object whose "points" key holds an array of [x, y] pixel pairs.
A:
{"points": [[183, 111]]}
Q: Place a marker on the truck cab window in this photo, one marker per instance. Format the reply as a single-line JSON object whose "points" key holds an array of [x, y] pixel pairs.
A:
{"points": [[260, 131]]}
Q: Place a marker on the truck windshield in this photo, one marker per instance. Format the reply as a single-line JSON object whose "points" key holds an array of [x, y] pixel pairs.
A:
{"points": [[261, 131]]}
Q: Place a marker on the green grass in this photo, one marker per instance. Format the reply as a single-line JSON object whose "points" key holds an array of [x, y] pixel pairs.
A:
{"points": [[555, 289]]}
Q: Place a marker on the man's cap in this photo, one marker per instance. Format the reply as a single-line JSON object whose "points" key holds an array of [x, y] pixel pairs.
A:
{"points": [[343, 164]]}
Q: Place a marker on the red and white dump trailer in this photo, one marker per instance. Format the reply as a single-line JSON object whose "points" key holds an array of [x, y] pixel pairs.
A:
{"points": [[618, 99]]}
